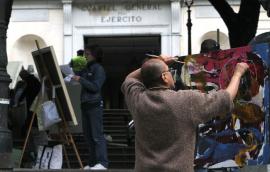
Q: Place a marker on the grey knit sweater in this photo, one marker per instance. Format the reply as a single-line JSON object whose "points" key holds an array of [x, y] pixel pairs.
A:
{"points": [[165, 124]]}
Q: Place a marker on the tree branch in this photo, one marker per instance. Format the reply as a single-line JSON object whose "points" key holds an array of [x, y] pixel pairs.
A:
{"points": [[250, 9], [225, 11]]}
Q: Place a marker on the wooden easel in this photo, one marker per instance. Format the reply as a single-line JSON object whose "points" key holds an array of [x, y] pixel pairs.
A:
{"points": [[66, 138], [63, 130]]}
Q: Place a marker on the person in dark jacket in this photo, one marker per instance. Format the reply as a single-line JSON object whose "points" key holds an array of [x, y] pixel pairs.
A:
{"points": [[91, 79], [30, 92]]}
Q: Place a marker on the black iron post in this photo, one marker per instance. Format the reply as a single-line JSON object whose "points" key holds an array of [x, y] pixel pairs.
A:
{"points": [[189, 24], [5, 134]]}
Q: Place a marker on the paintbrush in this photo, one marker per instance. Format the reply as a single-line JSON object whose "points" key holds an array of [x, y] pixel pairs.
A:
{"points": [[175, 58]]}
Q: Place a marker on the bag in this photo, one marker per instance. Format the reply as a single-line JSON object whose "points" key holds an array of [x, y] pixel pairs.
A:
{"points": [[49, 157], [47, 114]]}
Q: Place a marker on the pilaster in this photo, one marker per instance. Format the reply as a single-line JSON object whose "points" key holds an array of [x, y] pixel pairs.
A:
{"points": [[68, 25], [175, 27]]}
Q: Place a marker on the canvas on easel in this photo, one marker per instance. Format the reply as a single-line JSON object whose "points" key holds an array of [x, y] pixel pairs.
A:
{"points": [[242, 137], [47, 66]]}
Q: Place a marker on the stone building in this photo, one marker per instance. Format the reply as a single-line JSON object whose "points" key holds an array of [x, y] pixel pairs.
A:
{"points": [[126, 29]]}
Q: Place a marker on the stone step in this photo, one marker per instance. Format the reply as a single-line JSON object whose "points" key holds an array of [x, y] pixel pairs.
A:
{"points": [[115, 122], [116, 127], [111, 149], [121, 150], [112, 164], [66, 170], [112, 157]]}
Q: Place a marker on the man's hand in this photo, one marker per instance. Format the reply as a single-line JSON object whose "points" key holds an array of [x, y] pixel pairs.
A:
{"points": [[76, 78], [240, 69]]}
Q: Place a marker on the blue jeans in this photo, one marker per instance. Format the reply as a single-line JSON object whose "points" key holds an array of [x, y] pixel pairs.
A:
{"points": [[92, 123]]}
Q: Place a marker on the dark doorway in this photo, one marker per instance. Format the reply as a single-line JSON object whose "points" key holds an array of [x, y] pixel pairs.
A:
{"points": [[122, 54]]}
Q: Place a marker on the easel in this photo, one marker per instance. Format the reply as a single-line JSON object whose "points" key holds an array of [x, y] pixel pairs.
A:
{"points": [[63, 130], [66, 135]]}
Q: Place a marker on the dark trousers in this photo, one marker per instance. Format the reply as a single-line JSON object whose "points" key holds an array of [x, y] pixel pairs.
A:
{"points": [[92, 122]]}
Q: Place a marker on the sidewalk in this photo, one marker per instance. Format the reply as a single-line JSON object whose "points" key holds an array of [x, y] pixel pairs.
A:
{"points": [[68, 170], [262, 168]]}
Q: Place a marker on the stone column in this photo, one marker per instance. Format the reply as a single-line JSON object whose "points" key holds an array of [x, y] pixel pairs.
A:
{"points": [[176, 27], [5, 134], [67, 11]]}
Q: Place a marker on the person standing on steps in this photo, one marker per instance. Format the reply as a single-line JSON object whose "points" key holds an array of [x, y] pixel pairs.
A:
{"points": [[92, 78]]}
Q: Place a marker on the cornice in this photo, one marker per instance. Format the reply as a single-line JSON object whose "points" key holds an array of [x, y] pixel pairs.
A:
{"points": [[207, 3], [67, 1], [23, 4]]}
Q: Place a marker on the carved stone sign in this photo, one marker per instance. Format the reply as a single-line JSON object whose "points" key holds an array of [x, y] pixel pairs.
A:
{"points": [[126, 7], [121, 19], [126, 13]]}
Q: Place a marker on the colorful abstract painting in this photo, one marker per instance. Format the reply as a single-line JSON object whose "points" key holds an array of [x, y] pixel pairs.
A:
{"points": [[242, 137]]}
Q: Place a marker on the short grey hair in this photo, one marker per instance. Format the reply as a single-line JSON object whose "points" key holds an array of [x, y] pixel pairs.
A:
{"points": [[151, 72]]}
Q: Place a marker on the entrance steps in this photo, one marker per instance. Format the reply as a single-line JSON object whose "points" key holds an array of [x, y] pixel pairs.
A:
{"points": [[120, 143]]}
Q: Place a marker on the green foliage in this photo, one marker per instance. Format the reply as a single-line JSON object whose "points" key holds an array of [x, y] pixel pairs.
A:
{"points": [[78, 63]]}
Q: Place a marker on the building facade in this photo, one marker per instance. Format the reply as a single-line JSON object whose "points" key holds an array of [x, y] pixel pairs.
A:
{"points": [[65, 24], [125, 29]]}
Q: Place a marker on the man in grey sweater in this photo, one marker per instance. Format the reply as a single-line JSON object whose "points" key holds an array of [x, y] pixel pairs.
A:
{"points": [[166, 120]]}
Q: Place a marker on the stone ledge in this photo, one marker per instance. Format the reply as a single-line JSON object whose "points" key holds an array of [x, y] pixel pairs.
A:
{"points": [[67, 170]]}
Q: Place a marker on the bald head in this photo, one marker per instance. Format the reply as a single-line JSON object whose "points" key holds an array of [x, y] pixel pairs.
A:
{"points": [[151, 72]]}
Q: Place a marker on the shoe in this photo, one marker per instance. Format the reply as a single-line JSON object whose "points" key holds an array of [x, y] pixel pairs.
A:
{"points": [[86, 167], [98, 167], [108, 137]]}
